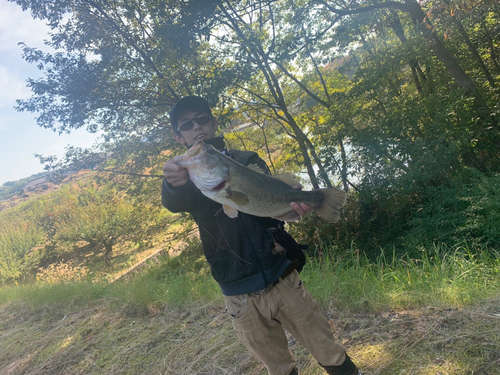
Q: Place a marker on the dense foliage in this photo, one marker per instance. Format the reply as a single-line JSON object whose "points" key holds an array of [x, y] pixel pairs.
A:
{"points": [[396, 102]]}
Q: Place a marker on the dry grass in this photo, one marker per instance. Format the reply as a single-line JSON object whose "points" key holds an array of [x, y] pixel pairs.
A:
{"points": [[106, 338]]}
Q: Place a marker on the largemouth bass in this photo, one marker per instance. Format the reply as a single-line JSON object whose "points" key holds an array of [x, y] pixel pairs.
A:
{"points": [[250, 190]]}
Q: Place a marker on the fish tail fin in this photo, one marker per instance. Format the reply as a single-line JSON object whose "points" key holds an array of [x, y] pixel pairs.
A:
{"points": [[333, 200]]}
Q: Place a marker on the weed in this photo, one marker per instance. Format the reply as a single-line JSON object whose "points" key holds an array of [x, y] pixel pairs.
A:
{"points": [[442, 276]]}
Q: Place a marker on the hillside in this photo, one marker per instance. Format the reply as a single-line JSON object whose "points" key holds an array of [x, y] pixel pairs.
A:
{"points": [[15, 192], [109, 338]]}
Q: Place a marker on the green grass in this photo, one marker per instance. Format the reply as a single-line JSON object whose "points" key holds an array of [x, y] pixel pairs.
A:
{"points": [[395, 315], [176, 281], [442, 277]]}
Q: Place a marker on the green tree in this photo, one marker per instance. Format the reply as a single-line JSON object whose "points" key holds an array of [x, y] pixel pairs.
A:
{"points": [[118, 69], [103, 217], [397, 98]]}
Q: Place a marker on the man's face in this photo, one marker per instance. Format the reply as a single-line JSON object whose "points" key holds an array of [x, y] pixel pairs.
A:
{"points": [[193, 130]]}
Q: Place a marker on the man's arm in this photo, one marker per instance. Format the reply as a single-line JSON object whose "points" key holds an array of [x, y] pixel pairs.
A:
{"points": [[178, 193]]}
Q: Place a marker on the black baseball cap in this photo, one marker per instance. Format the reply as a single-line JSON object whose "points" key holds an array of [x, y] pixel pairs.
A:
{"points": [[188, 103]]}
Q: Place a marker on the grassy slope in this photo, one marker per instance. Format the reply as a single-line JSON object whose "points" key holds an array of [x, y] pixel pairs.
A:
{"points": [[374, 310], [103, 337], [169, 319]]}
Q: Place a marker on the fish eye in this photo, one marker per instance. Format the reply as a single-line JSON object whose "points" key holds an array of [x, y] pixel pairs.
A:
{"points": [[210, 151]]}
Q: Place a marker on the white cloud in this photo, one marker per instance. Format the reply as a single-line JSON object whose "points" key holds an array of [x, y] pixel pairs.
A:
{"points": [[20, 137], [18, 26], [13, 88], [5, 119]]}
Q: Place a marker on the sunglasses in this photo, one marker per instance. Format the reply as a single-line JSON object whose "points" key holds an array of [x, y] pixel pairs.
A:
{"points": [[188, 125]]}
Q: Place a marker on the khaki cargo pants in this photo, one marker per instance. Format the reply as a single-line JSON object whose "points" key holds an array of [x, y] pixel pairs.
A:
{"points": [[258, 318]]}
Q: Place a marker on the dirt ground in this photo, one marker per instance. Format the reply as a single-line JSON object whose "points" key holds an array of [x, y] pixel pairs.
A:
{"points": [[107, 337]]}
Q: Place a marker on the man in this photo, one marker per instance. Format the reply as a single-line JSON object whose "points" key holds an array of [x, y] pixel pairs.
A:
{"points": [[261, 286]]}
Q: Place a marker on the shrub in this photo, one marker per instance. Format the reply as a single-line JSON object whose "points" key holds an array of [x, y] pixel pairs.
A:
{"points": [[18, 249]]}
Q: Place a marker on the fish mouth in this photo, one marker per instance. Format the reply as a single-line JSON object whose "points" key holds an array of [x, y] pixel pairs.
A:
{"points": [[197, 144], [195, 149], [200, 137], [220, 186], [189, 158]]}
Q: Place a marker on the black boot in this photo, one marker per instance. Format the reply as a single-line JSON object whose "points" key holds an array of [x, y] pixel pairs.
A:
{"points": [[346, 368], [295, 371]]}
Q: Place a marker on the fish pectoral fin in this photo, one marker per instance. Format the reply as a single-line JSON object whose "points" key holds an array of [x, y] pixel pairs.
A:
{"points": [[230, 211], [289, 179], [240, 199], [289, 216]]}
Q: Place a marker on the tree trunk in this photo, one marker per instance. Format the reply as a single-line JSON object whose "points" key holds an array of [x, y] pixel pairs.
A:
{"points": [[343, 155], [395, 24], [452, 66], [489, 39], [108, 249], [474, 52], [317, 160], [412, 7], [263, 61], [267, 148], [301, 139]]}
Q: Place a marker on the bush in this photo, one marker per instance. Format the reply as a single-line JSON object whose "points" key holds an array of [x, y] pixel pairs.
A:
{"points": [[18, 253], [465, 209]]}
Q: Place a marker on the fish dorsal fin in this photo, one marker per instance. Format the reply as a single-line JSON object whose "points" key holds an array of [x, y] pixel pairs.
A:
{"points": [[289, 179], [256, 168]]}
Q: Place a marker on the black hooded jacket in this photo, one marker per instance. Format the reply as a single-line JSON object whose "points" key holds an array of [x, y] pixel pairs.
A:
{"points": [[239, 250]]}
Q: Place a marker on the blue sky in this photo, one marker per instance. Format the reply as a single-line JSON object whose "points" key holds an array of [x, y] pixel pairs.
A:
{"points": [[20, 136]]}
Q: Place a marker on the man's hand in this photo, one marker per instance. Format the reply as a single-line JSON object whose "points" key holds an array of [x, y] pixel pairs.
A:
{"points": [[296, 212], [175, 174], [302, 208]]}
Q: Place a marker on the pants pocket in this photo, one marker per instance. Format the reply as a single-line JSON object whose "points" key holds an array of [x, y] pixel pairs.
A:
{"points": [[293, 280], [236, 306]]}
